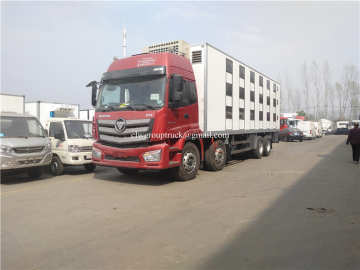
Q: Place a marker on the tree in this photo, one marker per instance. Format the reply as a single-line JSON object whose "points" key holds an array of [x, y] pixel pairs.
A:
{"points": [[316, 80], [305, 79], [302, 113], [288, 90], [328, 90], [348, 89], [296, 99]]}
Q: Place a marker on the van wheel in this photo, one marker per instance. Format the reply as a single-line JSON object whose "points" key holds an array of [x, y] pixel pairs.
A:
{"points": [[90, 167], [56, 166], [128, 171], [36, 172], [267, 146], [215, 156], [259, 150], [190, 163]]}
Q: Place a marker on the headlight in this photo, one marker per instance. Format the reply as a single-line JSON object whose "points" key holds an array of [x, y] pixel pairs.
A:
{"points": [[152, 156], [74, 148], [96, 153], [47, 147], [6, 149]]}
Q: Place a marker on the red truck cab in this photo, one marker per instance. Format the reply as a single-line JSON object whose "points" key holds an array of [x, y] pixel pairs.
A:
{"points": [[145, 108], [284, 123]]}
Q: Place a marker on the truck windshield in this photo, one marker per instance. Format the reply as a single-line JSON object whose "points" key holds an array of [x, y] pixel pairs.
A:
{"points": [[78, 129], [147, 92], [20, 127]]}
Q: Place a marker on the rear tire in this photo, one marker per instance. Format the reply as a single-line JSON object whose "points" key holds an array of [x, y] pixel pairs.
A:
{"points": [[35, 172], [215, 157], [267, 146], [259, 150], [56, 166], [128, 171], [190, 163], [90, 167]]}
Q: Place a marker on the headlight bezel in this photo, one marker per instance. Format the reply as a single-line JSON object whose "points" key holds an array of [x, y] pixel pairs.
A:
{"points": [[74, 149], [6, 149], [47, 146], [152, 156], [96, 153]]}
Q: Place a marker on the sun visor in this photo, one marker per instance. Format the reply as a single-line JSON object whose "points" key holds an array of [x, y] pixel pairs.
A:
{"points": [[134, 72]]}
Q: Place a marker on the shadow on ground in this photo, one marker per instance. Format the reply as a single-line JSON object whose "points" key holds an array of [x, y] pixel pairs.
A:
{"points": [[313, 225]]}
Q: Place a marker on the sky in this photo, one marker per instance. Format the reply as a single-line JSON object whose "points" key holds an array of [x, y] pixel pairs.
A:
{"points": [[51, 50]]}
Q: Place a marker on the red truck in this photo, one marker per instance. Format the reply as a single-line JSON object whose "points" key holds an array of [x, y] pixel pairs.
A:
{"points": [[164, 111]]}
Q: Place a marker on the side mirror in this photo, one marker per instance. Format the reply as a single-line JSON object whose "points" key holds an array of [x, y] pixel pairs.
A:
{"points": [[58, 136], [94, 89], [176, 88]]}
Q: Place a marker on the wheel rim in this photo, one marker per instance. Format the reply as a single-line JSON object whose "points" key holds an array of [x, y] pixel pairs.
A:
{"points": [[261, 147], [189, 161], [268, 147], [219, 155], [54, 166]]}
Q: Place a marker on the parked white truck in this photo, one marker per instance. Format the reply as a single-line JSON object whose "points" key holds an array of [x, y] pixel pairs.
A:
{"points": [[12, 103], [87, 114], [71, 138]]}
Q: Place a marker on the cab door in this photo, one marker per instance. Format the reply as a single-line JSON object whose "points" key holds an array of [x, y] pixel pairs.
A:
{"points": [[58, 147], [178, 114]]}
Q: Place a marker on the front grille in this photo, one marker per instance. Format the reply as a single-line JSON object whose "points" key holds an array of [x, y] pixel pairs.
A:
{"points": [[26, 162], [27, 150], [86, 149], [108, 134], [133, 145], [131, 159]]}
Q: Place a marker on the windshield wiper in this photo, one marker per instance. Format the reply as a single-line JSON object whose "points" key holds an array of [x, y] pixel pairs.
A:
{"points": [[145, 105]]}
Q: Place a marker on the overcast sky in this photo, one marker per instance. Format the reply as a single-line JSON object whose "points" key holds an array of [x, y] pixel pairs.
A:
{"points": [[51, 50]]}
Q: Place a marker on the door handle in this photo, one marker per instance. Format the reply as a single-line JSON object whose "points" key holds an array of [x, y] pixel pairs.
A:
{"points": [[186, 116]]}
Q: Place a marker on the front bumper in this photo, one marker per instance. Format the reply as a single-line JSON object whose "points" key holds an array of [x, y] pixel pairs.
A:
{"points": [[78, 158], [23, 161], [133, 157], [296, 137]]}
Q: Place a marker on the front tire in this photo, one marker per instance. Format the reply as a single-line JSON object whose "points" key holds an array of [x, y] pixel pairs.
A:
{"points": [[259, 150], [56, 166], [190, 162], [128, 171], [215, 156], [36, 172], [267, 146], [90, 167]]}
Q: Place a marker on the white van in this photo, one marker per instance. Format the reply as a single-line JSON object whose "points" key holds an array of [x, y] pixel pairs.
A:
{"points": [[318, 129], [71, 143], [308, 128]]}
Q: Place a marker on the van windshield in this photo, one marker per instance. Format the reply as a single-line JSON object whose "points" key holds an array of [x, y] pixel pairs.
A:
{"points": [[78, 129], [12, 126], [142, 92]]}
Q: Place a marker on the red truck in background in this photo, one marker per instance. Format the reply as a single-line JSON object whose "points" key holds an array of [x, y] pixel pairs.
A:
{"points": [[151, 113], [284, 123]]}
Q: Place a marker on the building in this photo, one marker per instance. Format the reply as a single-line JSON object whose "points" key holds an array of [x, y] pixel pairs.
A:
{"points": [[178, 47]]}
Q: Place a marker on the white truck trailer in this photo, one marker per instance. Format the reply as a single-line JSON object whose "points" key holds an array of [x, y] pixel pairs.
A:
{"points": [[87, 114], [71, 138], [160, 110], [12, 103]]}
